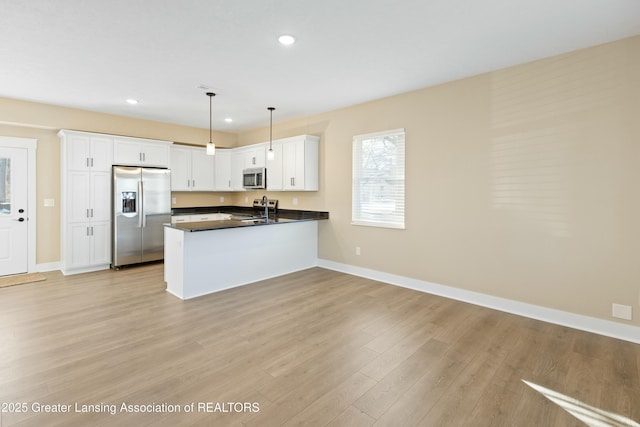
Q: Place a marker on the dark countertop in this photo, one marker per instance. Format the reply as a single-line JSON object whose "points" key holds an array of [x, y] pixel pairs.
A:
{"points": [[279, 217]]}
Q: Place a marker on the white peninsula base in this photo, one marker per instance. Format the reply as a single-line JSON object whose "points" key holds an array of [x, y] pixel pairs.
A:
{"points": [[201, 262]]}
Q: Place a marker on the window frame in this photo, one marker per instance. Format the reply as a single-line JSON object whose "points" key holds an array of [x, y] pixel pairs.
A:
{"points": [[358, 214]]}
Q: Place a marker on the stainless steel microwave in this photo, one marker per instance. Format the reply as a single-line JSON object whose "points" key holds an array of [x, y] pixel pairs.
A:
{"points": [[254, 178]]}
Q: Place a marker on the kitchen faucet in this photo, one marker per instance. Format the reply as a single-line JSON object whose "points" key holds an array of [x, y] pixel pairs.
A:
{"points": [[265, 202]]}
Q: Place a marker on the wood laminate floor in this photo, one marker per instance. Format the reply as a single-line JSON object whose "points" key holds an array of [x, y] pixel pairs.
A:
{"points": [[314, 348]]}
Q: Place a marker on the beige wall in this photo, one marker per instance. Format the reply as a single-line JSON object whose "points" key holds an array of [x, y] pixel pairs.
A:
{"points": [[521, 183], [42, 122]]}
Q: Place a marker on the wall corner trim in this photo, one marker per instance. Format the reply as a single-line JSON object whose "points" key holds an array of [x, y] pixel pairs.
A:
{"points": [[576, 321]]}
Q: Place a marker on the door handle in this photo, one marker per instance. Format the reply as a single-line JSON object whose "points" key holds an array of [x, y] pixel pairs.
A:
{"points": [[140, 204], [19, 219]]}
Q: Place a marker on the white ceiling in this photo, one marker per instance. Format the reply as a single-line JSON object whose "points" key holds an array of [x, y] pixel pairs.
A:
{"points": [[94, 54]]}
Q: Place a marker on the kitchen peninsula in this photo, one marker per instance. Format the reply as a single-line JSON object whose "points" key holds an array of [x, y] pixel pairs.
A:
{"points": [[237, 247]]}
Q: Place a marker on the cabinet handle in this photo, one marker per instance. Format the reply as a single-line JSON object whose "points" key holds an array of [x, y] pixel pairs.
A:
{"points": [[88, 214], [88, 231], [293, 181], [91, 212], [193, 183], [144, 156], [92, 162], [92, 231], [188, 183], [87, 161]]}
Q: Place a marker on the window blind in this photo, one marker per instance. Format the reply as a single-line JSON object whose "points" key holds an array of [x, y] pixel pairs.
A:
{"points": [[378, 179]]}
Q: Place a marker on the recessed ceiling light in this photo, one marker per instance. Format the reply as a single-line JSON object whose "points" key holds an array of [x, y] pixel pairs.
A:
{"points": [[228, 119], [286, 39], [132, 101]]}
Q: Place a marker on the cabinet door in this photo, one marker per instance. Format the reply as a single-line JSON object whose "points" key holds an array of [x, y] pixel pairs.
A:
{"points": [[100, 208], [100, 242], [254, 156], [78, 152], [126, 152], [202, 170], [237, 166], [180, 169], [274, 169], [222, 170], [78, 196], [78, 244], [180, 218], [155, 154], [139, 153], [293, 165], [101, 153]]}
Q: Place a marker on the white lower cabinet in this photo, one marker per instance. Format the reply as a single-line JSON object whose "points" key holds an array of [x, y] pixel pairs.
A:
{"points": [[176, 219], [88, 244]]}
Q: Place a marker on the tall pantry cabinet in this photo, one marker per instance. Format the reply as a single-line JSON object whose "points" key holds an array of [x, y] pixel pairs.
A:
{"points": [[85, 233]]}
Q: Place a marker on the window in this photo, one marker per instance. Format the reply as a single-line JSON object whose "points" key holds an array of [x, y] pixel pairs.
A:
{"points": [[5, 186], [378, 179]]}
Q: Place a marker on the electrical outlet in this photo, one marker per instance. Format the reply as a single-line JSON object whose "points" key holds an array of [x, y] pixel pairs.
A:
{"points": [[173, 200], [358, 250], [621, 311], [246, 200], [221, 199], [295, 201], [49, 203]]}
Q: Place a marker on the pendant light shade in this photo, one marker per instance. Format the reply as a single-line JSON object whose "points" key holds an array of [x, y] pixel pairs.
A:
{"points": [[211, 147], [270, 154]]}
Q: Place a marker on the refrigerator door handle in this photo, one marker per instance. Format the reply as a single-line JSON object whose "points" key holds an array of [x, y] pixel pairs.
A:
{"points": [[144, 207], [140, 205]]}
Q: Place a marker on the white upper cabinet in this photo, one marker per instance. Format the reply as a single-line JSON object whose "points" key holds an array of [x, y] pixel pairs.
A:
{"points": [[191, 169], [180, 168], [141, 152], [202, 170], [237, 166], [274, 168], [222, 171], [254, 156], [295, 166], [87, 152]]}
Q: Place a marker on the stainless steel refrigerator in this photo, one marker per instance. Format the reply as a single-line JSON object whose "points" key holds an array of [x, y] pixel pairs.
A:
{"points": [[141, 205]]}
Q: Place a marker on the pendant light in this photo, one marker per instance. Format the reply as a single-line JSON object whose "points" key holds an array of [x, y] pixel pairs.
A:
{"points": [[270, 154], [211, 147]]}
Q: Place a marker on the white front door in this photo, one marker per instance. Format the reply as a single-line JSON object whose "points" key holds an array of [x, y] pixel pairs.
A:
{"points": [[14, 212]]}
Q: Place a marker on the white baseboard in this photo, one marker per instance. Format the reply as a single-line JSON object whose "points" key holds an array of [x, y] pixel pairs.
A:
{"points": [[577, 321], [49, 266]]}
